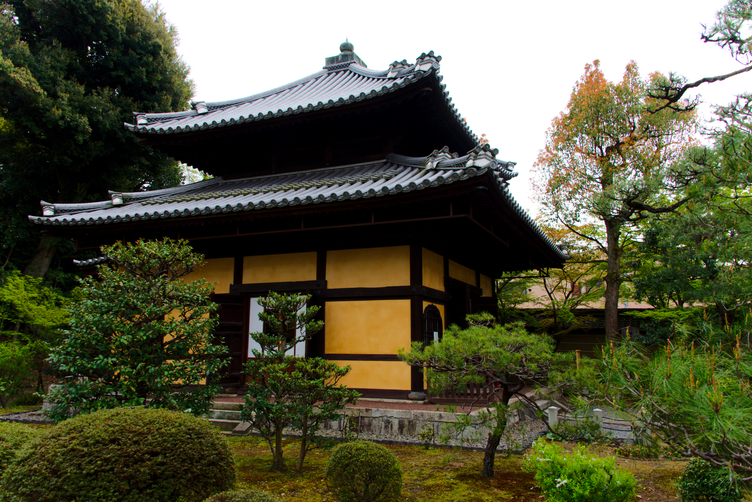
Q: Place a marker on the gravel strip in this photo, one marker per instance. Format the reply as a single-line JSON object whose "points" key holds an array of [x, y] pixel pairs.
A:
{"points": [[27, 417]]}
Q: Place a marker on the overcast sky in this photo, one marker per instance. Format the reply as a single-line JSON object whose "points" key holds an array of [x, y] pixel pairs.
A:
{"points": [[509, 66]]}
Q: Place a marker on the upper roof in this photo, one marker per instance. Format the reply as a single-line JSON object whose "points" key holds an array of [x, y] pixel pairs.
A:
{"points": [[343, 81]]}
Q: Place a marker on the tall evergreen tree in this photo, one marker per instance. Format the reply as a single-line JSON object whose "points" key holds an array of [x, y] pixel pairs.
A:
{"points": [[71, 72]]}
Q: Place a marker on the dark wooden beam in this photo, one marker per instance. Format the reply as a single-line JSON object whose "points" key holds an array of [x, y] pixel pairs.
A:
{"points": [[387, 293], [237, 276], [416, 311], [362, 357], [318, 343], [262, 289]]}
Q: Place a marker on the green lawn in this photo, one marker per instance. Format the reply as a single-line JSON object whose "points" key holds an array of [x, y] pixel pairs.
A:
{"points": [[439, 474]]}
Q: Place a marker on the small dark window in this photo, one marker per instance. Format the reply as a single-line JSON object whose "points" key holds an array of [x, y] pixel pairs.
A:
{"points": [[433, 328]]}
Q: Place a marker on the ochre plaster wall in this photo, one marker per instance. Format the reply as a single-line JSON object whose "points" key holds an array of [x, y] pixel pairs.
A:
{"points": [[390, 375], [287, 267], [368, 268], [367, 327], [462, 273], [433, 270], [486, 284], [215, 270]]}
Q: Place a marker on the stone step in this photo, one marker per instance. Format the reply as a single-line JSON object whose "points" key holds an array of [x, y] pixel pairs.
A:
{"points": [[219, 405], [224, 414], [225, 425]]}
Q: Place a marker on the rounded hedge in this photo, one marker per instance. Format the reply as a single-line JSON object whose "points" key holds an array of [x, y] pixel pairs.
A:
{"points": [[702, 480], [365, 472], [13, 437], [126, 454], [242, 496]]}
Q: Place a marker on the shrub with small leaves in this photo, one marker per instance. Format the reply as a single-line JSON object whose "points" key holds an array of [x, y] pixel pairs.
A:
{"points": [[140, 333], [123, 455], [242, 496], [427, 436], [702, 480], [639, 451], [15, 369], [13, 437], [364, 472], [578, 477], [580, 430]]}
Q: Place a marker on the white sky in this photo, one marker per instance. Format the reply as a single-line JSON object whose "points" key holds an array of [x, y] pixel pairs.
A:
{"points": [[509, 66]]}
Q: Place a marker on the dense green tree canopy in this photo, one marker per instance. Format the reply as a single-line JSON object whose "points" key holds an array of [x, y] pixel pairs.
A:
{"points": [[71, 72], [140, 334]]}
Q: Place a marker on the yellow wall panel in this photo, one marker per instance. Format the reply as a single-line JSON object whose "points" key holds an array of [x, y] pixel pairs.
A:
{"points": [[367, 327], [486, 284], [368, 268], [433, 270], [391, 375], [215, 270], [287, 267], [462, 273]]}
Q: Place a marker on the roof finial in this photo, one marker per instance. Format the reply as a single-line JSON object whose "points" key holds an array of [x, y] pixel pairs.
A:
{"points": [[346, 46], [345, 57]]}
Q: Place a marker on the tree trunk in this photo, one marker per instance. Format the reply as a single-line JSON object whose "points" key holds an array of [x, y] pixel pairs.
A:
{"points": [[41, 261], [490, 455], [278, 463], [613, 279], [303, 445], [497, 431]]}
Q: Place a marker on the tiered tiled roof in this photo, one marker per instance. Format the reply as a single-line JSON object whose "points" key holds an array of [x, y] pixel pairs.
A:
{"points": [[386, 178], [338, 84]]}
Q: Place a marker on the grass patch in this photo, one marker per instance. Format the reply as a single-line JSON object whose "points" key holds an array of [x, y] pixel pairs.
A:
{"points": [[19, 409], [438, 474]]}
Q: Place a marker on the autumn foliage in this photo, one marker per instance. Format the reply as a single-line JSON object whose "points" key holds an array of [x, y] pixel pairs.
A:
{"points": [[610, 161]]}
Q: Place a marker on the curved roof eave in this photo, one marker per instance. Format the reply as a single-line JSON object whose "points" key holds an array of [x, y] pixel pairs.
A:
{"points": [[339, 85], [394, 175]]}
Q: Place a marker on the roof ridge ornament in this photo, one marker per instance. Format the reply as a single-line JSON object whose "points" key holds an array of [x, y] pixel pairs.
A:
{"points": [[345, 58], [437, 156], [427, 61], [48, 209], [397, 67], [200, 107], [117, 198], [482, 156]]}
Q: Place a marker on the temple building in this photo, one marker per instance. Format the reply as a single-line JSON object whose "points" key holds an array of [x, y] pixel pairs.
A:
{"points": [[363, 188]]}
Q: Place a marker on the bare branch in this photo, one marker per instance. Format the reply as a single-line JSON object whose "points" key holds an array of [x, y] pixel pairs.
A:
{"points": [[672, 94]]}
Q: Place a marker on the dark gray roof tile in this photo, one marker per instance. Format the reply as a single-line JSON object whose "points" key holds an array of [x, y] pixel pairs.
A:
{"points": [[334, 86], [394, 175]]}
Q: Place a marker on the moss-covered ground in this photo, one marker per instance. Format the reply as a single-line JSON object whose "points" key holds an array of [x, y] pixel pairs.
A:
{"points": [[437, 474]]}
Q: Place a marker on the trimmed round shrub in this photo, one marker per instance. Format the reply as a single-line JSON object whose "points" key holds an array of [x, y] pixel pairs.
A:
{"points": [[13, 437], [365, 472], [126, 454], [702, 480], [242, 496]]}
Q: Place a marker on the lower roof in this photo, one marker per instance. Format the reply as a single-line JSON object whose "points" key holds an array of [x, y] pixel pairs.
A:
{"points": [[217, 197]]}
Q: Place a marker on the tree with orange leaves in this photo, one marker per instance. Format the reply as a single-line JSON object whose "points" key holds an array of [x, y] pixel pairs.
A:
{"points": [[610, 161]]}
